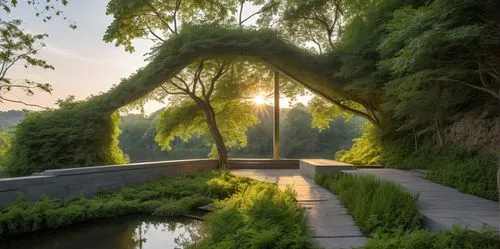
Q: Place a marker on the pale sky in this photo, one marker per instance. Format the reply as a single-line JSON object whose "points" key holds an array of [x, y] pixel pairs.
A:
{"points": [[84, 63]]}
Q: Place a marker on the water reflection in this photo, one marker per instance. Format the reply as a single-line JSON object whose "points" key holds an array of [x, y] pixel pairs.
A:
{"points": [[117, 233]]}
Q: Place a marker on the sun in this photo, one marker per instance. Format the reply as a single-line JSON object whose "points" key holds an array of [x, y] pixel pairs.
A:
{"points": [[259, 99]]}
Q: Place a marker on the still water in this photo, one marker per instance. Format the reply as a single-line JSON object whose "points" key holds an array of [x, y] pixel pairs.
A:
{"points": [[118, 233]]}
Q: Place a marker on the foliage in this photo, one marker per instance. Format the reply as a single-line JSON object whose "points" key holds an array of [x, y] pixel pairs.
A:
{"points": [[198, 93], [157, 19], [201, 82], [438, 59], [389, 215], [138, 132], [233, 120], [64, 140], [164, 198], [475, 174], [300, 140], [385, 61], [260, 216], [376, 206], [76, 133], [324, 112], [46, 10], [20, 48], [366, 149], [198, 84], [5, 138], [5, 143], [314, 24], [201, 41], [137, 140], [255, 215], [457, 238], [466, 170]]}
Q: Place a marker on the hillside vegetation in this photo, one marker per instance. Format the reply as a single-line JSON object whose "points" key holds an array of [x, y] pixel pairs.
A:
{"points": [[433, 62]]}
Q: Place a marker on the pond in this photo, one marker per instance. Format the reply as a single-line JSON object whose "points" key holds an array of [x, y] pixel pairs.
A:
{"points": [[130, 232]]}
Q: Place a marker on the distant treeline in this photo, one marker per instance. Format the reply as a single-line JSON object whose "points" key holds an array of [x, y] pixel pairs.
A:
{"points": [[297, 138]]}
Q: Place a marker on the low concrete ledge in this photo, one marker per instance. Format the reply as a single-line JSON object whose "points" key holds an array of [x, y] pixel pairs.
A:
{"points": [[243, 163], [311, 167], [128, 167], [90, 180], [61, 183]]}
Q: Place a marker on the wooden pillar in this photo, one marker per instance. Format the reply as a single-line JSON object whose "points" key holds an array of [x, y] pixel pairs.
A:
{"points": [[276, 130]]}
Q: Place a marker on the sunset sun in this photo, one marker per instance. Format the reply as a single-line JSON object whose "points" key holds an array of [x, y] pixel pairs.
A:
{"points": [[259, 99]]}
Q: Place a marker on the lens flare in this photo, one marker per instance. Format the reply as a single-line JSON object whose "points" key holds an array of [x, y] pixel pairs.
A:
{"points": [[259, 99]]}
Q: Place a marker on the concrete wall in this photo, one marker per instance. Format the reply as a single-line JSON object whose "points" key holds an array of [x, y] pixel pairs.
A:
{"points": [[89, 180], [67, 182]]}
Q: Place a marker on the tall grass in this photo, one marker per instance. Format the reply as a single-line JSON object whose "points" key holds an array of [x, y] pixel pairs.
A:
{"points": [[259, 217], [376, 206], [164, 197], [457, 238]]}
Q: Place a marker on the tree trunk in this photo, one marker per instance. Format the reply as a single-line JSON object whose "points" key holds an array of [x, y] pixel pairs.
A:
{"points": [[439, 132], [217, 136], [415, 139], [498, 179]]}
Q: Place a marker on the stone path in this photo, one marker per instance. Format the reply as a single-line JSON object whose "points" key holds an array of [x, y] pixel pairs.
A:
{"points": [[441, 206], [331, 226]]}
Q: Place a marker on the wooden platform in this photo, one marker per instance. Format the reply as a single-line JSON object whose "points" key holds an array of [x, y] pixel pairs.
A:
{"points": [[311, 167]]}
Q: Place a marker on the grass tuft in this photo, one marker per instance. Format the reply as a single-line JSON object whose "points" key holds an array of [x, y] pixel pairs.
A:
{"points": [[457, 238], [376, 206], [258, 217]]}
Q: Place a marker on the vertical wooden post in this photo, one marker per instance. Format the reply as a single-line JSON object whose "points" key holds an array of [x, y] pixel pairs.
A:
{"points": [[276, 130]]}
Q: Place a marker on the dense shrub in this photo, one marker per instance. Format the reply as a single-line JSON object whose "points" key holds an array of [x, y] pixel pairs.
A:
{"points": [[259, 217], [75, 135], [456, 239], [366, 149], [164, 197], [376, 206]]}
